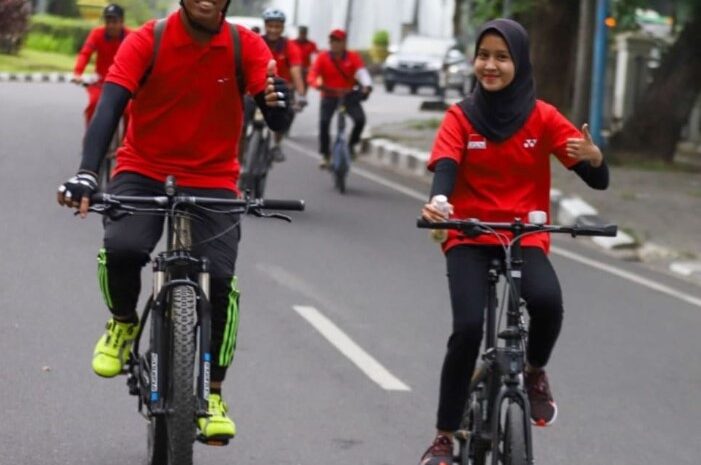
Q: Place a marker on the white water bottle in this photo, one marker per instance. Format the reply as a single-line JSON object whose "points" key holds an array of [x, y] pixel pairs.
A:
{"points": [[440, 202]]}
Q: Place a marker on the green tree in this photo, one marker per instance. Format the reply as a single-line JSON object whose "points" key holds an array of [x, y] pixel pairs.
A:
{"points": [[655, 127]]}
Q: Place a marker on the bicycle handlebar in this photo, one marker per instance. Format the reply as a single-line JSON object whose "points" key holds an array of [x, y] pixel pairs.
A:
{"points": [[164, 200], [474, 227]]}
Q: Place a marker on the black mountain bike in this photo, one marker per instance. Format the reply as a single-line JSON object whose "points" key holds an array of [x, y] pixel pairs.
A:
{"points": [[496, 425], [172, 378], [257, 157]]}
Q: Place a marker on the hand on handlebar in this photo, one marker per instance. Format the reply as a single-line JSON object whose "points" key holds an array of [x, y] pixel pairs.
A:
{"points": [[432, 213], [277, 93], [300, 103], [76, 192], [77, 79]]}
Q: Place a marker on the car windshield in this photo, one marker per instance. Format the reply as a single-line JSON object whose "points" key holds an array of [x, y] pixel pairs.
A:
{"points": [[430, 46]]}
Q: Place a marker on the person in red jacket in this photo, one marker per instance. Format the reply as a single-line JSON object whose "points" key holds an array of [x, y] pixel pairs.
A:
{"points": [[339, 74], [491, 159], [105, 41], [308, 49], [289, 65]]}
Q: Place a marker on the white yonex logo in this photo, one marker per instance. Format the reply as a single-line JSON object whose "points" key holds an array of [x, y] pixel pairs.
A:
{"points": [[530, 143], [477, 144]]}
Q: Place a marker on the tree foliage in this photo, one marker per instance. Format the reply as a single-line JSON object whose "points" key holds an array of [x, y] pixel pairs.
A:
{"points": [[14, 22]]}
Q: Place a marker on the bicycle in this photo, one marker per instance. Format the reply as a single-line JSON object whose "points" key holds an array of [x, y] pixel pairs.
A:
{"points": [[340, 153], [496, 426], [109, 161], [172, 378], [257, 157]]}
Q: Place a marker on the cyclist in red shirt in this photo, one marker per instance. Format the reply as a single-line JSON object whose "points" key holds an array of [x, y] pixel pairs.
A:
{"points": [[308, 49], [491, 158], [339, 74], [105, 41], [186, 121], [289, 65]]}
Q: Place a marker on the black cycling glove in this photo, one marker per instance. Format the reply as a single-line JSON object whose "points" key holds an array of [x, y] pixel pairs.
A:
{"points": [[83, 184]]}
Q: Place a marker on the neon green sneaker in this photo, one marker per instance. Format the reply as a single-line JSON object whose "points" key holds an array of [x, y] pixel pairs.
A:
{"points": [[112, 349], [217, 426]]}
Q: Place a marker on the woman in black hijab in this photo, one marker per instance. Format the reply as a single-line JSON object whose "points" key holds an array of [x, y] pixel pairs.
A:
{"points": [[491, 160]]}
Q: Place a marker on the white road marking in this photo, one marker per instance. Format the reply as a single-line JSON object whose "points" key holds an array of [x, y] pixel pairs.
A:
{"points": [[690, 299], [364, 361]]}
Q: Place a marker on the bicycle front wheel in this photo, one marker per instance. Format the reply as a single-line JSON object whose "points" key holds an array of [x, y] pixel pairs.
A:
{"points": [[180, 418], [514, 437]]}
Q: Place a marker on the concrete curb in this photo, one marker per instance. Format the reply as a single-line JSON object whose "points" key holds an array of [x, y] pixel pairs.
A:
{"points": [[52, 77]]}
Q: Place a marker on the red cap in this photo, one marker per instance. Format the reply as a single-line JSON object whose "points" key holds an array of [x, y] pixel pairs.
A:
{"points": [[339, 34]]}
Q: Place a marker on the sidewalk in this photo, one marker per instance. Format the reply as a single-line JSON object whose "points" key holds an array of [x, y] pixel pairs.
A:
{"points": [[659, 209]]}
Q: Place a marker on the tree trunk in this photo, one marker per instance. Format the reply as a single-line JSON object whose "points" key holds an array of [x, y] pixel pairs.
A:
{"points": [[552, 25], [654, 128]]}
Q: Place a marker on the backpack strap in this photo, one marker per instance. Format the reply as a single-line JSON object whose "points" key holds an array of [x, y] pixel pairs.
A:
{"points": [[158, 30], [238, 62]]}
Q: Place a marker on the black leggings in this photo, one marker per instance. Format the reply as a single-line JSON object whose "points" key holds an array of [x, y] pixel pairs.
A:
{"points": [[467, 279], [326, 112], [130, 240]]}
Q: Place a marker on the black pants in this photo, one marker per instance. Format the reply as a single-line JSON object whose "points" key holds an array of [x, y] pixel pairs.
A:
{"points": [[129, 241], [467, 279], [327, 109]]}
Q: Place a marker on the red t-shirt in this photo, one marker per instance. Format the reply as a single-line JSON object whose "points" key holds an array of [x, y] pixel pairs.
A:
{"points": [[499, 181], [105, 47], [307, 48], [330, 74], [287, 55], [186, 120]]}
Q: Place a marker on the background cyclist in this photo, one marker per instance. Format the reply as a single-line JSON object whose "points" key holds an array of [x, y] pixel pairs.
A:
{"points": [[491, 158], [289, 65], [336, 73], [186, 121], [105, 41], [308, 49]]}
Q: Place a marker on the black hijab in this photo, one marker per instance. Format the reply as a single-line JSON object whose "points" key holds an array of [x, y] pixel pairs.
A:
{"points": [[499, 115]]}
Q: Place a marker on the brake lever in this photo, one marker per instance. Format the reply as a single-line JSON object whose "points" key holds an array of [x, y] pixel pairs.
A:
{"points": [[275, 215]]}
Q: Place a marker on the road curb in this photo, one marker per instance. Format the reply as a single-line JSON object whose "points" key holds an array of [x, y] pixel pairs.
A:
{"points": [[52, 77], [565, 209]]}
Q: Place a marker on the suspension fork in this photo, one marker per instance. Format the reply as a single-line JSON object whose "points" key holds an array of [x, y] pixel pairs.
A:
{"points": [[204, 313]]}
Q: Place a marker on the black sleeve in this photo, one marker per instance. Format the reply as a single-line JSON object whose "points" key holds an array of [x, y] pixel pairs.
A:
{"points": [[444, 175], [113, 101], [596, 178], [278, 119]]}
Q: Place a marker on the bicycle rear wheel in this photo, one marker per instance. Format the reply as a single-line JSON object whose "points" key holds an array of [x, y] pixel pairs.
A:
{"points": [[180, 418]]}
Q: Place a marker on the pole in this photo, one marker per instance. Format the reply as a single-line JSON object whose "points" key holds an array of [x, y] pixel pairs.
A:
{"points": [[349, 12], [582, 74], [295, 18], [506, 13], [596, 105]]}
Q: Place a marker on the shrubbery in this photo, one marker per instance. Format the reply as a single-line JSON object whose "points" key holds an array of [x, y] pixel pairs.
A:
{"points": [[56, 34], [14, 15]]}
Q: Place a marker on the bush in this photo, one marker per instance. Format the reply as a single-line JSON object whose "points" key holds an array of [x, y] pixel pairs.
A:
{"points": [[56, 34], [380, 38], [14, 15]]}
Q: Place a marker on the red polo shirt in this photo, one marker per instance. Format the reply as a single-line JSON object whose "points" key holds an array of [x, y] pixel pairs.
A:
{"points": [[333, 77], [186, 119], [105, 47], [498, 181], [307, 49], [287, 55]]}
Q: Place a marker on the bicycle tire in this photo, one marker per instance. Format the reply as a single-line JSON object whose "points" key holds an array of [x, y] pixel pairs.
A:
{"points": [[180, 418], [514, 437], [157, 442], [259, 186], [340, 182]]}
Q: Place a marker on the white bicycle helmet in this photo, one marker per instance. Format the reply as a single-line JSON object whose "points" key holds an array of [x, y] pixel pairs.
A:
{"points": [[273, 14]]}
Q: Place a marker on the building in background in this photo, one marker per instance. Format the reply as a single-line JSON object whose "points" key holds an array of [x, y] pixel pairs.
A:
{"points": [[362, 18]]}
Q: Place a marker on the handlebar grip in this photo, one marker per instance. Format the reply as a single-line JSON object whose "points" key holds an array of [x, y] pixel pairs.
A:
{"points": [[425, 224], [272, 204], [608, 230], [97, 197]]}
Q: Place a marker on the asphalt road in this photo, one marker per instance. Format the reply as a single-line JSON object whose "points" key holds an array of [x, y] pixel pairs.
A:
{"points": [[625, 371]]}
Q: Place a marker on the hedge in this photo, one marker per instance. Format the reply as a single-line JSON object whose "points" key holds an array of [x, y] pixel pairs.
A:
{"points": [[58, 34]]}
